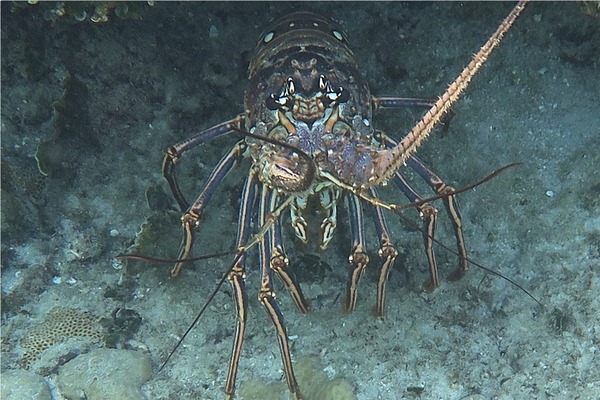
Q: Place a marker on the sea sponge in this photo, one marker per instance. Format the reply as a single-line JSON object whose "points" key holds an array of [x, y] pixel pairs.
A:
{"points": [[60, 325]]}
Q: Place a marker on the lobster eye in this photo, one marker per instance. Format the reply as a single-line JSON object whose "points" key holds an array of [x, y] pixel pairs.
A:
{"points": [[284, 99], [333, 97], [322, 83], [291, 87]]}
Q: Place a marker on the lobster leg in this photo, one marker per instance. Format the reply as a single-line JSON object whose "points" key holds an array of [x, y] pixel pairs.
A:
{"points": [[191, 219], [266, 295], [436, 183], [298, 222], [429, 215], [175, 152], [397, 102], [328, 197], [451, 204], [236, 279], [386, 251], [359, 257], [280, 264]]}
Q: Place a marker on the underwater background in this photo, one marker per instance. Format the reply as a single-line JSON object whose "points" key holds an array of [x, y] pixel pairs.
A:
{"points": [[93, 94]]}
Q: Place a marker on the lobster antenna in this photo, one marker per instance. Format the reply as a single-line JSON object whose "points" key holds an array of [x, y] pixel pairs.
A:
{"points": [[275, 214], [254, 240], [413, 225], [389, 161], [204, 307], [155, 260], [398, 208]]}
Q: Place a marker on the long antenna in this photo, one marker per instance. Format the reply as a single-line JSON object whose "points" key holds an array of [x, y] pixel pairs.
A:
{"points": [[389, 161], [204, 307]]}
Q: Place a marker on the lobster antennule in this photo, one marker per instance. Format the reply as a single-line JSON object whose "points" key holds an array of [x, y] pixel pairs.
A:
{"points": [[387, 162]]}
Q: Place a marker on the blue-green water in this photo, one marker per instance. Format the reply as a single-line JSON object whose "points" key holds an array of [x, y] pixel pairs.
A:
{"points": [[103, 101]]}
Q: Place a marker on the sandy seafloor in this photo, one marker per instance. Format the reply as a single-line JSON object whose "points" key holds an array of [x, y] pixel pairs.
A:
{"points": [[153, 81]]}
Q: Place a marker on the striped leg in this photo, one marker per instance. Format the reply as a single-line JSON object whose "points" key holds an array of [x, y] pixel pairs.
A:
{"points": [[386, 251], [236, 279], [408, 102], [451, 204], [266, 295], [429, 215], [359, 258], [397, 102], [191, 219], [280, 264], [328, 197], [174, 153]]}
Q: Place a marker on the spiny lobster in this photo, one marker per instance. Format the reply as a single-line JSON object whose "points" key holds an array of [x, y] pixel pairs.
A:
{"points": [[308, 131]]}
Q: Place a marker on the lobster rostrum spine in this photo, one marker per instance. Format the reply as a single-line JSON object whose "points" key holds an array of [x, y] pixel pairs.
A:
{"points": [[308, 110]]}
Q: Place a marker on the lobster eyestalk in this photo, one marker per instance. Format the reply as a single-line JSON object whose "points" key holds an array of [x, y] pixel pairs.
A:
{"points": [[387, 162]]}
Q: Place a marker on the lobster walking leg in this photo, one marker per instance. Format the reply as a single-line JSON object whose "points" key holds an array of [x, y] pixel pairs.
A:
{"points": [[386, 251], [451, 204], [359, 258], [328, 198], [175, 152], [191, 219], [404, 102], [266, 294], [396, 102], [280, 264], [429, 215], [236, 279]]}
